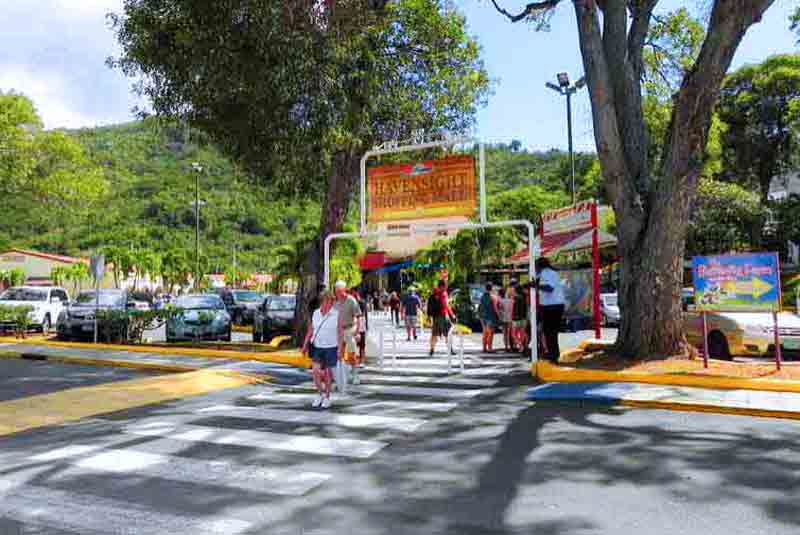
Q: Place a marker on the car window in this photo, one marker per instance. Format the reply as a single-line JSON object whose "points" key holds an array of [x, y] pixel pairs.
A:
{"points": [[281, 303], [107, 299], [611, 300], [247, 296], [199, 302], [24, 294], [61, 294]]}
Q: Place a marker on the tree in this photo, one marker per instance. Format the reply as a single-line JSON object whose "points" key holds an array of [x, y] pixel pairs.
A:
{"points": [[121, 262], [651, 203], [525, 203], [300, 92], [174, 269], [722, 219], [759, 106], [145, 262]]}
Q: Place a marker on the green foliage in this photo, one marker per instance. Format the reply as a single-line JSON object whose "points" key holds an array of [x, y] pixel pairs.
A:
{"points": [[18, 316], [786, 221], [759, 105], [12, 277], [672, 46], [724, 219], [526, 203]]}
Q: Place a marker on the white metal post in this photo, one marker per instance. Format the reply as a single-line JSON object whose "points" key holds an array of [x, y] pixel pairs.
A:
{"points": [[394, 348], [461, 351], [482, 179], [380, 351]]}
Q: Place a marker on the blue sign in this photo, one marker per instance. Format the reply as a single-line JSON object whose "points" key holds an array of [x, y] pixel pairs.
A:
{"points": [[737, 283]]}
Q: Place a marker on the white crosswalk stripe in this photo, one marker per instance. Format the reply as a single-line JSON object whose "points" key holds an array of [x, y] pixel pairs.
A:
{"points": [[284, 445]]}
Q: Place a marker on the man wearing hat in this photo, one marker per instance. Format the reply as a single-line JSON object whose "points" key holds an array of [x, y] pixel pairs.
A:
{"points": [[349, 321]]}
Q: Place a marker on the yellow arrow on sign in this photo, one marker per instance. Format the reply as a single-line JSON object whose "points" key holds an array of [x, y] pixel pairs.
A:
{"points": [[760, 287]]}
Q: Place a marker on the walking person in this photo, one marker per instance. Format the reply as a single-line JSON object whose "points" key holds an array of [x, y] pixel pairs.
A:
{"points": [[411, 307], [394, 306], [506, 313], [441, 316], [322, 344], [489, 311], [349, 318], [363, 326], [519, 317], [551, 300]]}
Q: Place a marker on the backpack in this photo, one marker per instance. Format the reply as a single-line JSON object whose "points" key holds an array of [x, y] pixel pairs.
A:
{"points": [[434, 306]]}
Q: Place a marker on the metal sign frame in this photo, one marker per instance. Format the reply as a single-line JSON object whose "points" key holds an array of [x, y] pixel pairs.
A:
{"points": [[395, 147]]}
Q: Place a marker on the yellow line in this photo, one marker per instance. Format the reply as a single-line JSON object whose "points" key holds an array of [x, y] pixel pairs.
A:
{"points": [[549, 373], [149, 366], [290, 358], [78, 403]]}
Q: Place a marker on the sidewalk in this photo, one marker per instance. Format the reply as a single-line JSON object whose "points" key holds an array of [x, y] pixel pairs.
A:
{"points": [[682, 398]]}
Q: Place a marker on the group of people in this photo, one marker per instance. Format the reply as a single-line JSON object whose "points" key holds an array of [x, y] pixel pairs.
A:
{"points": [[507, 310], [408, 310]]}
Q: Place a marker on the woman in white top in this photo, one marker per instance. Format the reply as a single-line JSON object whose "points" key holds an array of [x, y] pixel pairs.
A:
{"points": [[506, 309], [322, 343]]}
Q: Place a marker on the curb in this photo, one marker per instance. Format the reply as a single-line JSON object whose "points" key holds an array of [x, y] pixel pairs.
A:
{"points": [[548, 373], [290, 358], [693, 407]]}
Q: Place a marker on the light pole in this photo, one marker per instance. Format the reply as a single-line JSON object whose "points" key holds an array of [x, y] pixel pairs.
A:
{"points": [[566, 89], [197, 168]]}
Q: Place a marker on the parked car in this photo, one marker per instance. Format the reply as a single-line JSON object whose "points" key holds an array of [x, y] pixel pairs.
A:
{"points": [[47, 301], [609, 306], [201, 317], [275, 317], [77, 321], [241, 304], [740, 333]]}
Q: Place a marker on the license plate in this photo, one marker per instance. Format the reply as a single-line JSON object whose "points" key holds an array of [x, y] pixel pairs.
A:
{"points": [[88, 328], [791, 343]]}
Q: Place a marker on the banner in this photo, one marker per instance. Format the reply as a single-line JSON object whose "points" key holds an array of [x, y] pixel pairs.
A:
{"points": [[570, 219], [577, 293], [434, 188], [737, 283]]}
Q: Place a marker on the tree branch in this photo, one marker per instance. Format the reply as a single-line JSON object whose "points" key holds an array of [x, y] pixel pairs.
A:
{"points": [[642, 13], [529, 9]]}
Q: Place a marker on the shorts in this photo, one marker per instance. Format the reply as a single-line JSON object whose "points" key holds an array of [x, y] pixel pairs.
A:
{"points": [[441, 326], [327, 357], [489, 324], [350, 340], [411, 322]]}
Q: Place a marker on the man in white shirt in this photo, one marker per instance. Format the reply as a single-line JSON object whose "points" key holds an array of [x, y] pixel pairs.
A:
{"points": [[551, 301]]}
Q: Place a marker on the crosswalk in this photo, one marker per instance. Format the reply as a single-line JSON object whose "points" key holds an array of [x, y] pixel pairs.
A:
{"points": [[163, 471]]}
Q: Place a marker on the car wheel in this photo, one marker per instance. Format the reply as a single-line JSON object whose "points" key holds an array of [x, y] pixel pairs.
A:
{"points": [[718, 346], [256, 336], [267, 338], [227, 337], [46, 325]]}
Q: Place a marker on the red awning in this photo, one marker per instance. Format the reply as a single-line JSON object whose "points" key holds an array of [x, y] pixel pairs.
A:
{"points": [[373, 261], [566, 242]]}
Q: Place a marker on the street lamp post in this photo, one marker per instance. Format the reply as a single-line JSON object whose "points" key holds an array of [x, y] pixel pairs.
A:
{"points": [[566, 89], [197, 168]]}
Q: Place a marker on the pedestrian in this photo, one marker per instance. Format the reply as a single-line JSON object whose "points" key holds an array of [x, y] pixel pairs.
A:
{"points": [[489, 312], [551, 299], [506, 313], [411, 307], [394, 306], [363, 327], [349, 318], [322, 344], [519, 318], [441, 315]]}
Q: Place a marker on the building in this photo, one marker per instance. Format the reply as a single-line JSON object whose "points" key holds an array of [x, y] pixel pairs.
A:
{"points": [[36, 266]]}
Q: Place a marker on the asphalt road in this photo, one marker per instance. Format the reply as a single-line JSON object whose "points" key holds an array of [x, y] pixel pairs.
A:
{"points": [[23, 378], [256, 460]]}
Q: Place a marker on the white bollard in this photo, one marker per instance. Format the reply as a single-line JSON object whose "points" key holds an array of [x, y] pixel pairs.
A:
{"points": [[461, 351], [380, 351], [394, 349]]}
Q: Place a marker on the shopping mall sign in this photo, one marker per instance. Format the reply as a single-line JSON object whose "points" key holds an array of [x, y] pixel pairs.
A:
{"points": [[737, 283], [434, 188]]}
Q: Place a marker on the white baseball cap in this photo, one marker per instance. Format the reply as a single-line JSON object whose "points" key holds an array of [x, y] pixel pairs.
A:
{"points": [[340, 285]]}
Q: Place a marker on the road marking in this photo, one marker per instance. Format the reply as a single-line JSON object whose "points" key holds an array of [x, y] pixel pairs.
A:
{"points": [[356, 421], [342, 447], [197, 471], [84, 513], [409, 370], [440, 407], [78, 403], [376, 378], [417, 391]]}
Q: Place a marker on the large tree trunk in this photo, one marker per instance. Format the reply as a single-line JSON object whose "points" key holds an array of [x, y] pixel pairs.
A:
{"points": [[652, 209], [345, 169]]}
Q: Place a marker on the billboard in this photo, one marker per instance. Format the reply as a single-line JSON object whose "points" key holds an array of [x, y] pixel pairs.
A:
{"points": [[577, 292], [429, 189], [744, 282], [569, 219]]}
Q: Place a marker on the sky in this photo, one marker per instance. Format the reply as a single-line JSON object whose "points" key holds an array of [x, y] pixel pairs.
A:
{"points": [[54, 51]]}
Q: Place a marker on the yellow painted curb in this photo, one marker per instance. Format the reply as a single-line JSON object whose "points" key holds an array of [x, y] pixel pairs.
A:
{"points": [[278, 340], [242, 328], [549, 373], [77, 403], [716, 409], [290, 358]]}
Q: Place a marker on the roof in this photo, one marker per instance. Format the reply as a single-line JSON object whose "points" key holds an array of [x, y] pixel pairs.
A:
{"points": [[48, 256], [567, 242]]}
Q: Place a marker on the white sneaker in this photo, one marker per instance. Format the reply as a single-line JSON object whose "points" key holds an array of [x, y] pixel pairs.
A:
{"points": [[356, 378], [317, 402], [326, 403]]}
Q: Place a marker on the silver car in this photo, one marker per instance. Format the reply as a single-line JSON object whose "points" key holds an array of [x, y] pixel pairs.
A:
{"points": [[199, 317]]}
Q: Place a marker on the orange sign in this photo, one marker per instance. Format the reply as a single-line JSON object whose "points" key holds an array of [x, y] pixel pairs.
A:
{"points": [[434, 188]]}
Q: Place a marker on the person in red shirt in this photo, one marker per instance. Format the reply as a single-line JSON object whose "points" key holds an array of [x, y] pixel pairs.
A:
{"points": [[441, 315]]}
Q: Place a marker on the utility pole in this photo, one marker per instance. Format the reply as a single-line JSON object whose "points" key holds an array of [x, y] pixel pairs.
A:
{"points": [[197, 168], [234, 266], [566, 89]]}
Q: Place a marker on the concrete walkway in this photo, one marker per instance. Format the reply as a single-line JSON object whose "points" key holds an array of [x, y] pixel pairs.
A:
{"points": [[744, 402]]}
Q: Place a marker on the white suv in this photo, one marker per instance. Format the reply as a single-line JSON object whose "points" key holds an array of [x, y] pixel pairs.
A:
{"points": [[47, 303]]}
